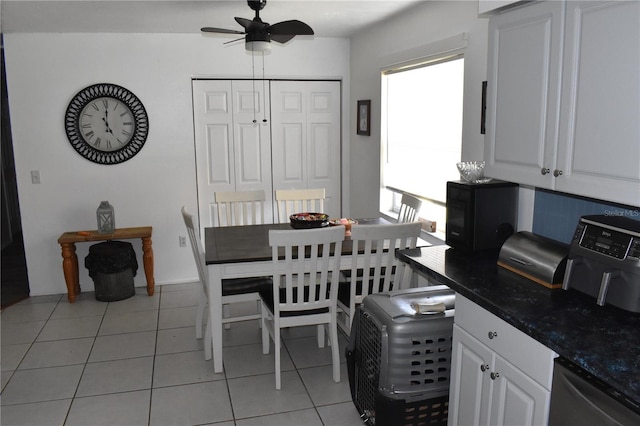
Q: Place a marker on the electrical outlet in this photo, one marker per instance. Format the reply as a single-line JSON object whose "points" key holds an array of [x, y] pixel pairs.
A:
{"points": [[182, 240]]}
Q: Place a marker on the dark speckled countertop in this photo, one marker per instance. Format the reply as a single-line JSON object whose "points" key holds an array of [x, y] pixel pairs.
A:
{"points": [[604, 341]]}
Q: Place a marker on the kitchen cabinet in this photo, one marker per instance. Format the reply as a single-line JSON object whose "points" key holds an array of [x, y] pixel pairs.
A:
{"points": [[500, 376], [266, 135], [564, 96], [523, 93], [599, 153]]}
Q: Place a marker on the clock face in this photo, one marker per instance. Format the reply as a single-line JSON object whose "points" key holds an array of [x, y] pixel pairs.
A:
{"points": [[106, 123]]}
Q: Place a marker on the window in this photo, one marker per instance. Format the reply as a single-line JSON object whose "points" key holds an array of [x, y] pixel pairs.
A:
{"points": [[422, 133]]}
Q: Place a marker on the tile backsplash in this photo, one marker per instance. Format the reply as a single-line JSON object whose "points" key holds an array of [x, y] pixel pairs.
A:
{"points": [[555, 215]]}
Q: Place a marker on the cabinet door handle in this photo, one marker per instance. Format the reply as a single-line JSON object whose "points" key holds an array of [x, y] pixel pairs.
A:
{"points": [[557, 172], [493, 334], [484, 367], [494, 375], [544, 171]]}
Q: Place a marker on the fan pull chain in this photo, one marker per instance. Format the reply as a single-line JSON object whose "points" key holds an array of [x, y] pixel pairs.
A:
{"points": [[253, 83], [264, 93]]}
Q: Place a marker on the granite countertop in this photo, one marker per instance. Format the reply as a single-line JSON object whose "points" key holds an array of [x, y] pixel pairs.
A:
{"points": [[604, 341]]}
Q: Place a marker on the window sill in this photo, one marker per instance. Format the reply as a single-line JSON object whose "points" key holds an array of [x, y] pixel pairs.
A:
{"points": [[434, 238]]}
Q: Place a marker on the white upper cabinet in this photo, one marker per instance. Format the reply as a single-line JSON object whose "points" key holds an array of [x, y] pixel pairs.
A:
{"points": [[564, 98], [523, 93], [600, 110]]}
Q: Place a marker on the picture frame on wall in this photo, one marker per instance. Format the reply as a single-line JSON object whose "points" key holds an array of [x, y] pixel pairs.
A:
{"points": [[364, 118]]}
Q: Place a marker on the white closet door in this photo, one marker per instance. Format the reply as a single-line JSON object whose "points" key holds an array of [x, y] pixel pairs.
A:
{"points": [[232, 152], [306, 138]]}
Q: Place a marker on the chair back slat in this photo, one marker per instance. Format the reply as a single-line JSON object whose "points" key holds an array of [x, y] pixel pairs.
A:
{"points": [[409, 208], [240, 208], [291, 201], [380, 269], [307, 264]]}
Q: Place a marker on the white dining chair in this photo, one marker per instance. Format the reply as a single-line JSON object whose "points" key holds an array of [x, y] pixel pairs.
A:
{"points": [[240, 208], [409, 208], [375, 267], [290, 201], [233, 290], [203, 276], [237, 208], [306, 266]]}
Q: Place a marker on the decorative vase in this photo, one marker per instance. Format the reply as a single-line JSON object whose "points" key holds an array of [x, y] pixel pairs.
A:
{"points": [[106, 218]]}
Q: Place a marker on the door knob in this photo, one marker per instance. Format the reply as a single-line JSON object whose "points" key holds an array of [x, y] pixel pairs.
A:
{"points": [[557, 172], [544, 171], [494, 375], [493, 334], [484, 367]]}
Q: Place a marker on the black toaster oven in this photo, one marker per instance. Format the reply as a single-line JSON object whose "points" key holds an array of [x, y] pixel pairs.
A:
{"points": [[480, 216]]}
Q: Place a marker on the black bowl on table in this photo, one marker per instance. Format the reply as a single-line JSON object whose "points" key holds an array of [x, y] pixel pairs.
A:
{"points": [[309, 220]]}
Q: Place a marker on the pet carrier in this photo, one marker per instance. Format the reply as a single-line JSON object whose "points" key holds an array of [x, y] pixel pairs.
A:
{"points": [[399, 356]]}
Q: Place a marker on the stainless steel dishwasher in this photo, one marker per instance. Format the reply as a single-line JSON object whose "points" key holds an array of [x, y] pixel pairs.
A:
{"points": [[577, 398]]}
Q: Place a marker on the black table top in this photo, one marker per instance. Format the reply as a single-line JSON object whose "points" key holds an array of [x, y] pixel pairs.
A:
{"points": [[603, 340], [250, 243]]}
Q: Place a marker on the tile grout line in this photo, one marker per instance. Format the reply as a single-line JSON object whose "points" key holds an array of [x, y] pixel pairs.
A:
{"points": [[84, 366], [155, 354]]}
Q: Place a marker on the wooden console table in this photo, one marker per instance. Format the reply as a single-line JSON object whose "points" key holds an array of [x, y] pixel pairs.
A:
{"points": [[68, 242]]}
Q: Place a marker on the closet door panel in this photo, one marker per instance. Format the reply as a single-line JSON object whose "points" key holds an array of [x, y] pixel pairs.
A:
{"points": [[258, 135], [219, 163], [249, 157], [290, 156], [213, 134], [323, 121], [310, 158], [233, 153]]}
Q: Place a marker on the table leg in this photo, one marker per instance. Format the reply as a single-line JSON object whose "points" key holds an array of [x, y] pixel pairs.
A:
{"points": [[147, 259], [215, 314], [70, 269]]}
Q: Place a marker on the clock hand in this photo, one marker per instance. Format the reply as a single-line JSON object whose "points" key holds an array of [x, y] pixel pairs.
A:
{"points": [[107, 124]]}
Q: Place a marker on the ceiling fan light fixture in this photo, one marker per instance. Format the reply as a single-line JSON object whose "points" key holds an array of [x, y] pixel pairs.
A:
{"points": [[258, 46], [259, 34]]}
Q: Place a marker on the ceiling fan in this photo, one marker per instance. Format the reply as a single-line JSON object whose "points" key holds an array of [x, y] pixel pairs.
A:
{"points": [[259, 34]]}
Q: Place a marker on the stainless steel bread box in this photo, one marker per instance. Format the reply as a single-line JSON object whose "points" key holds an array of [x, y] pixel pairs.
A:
{"points": [[535, 257]]}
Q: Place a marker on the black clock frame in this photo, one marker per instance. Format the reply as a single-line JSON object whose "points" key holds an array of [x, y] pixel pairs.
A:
{"points": [[101, 90]]}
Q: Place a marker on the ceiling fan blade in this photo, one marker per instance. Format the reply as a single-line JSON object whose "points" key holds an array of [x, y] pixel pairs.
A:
{"points": [[243, 21], [233, 41], [220, 30], [286, 30]]}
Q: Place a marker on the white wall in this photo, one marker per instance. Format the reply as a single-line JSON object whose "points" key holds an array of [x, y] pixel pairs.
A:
{"points": [[44, 71], [400, 39]]}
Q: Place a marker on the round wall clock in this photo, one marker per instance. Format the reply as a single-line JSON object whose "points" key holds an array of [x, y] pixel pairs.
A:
{"points": [[106, 123]]}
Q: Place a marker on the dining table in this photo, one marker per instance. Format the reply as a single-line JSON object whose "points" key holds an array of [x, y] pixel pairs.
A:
{"points": [[244, 251]]}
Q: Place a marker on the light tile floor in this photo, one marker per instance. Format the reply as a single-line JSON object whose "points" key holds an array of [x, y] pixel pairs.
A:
{"points": [[137, 362]]}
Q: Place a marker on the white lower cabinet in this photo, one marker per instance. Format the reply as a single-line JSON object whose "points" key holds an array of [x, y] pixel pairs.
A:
{"points": [[500, 376]]}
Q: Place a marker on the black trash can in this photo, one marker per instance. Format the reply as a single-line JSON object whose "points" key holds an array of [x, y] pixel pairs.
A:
{"points": [[112, 266]]}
